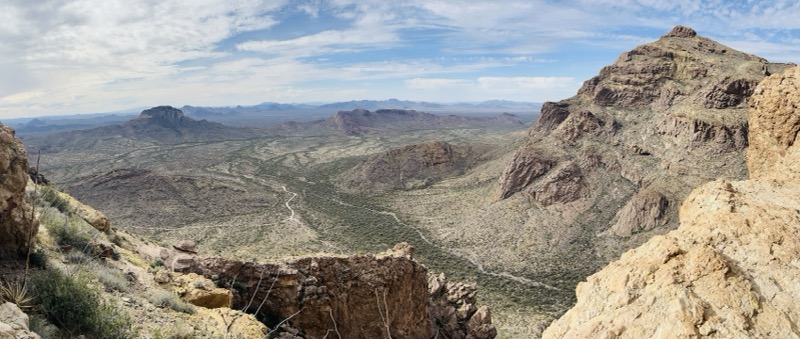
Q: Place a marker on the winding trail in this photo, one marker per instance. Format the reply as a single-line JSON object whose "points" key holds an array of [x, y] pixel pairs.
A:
{"points": [[478, 265], [292, 217]]}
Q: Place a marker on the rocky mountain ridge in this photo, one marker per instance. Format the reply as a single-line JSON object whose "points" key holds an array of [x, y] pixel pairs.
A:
{"points": [[408, 167], [619, 156], [730, 269]]}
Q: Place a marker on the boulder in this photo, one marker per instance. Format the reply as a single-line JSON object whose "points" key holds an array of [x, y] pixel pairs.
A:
{"points": [[200, 291], [228, 323], [187, 246], [18, 227], [14, 323]]}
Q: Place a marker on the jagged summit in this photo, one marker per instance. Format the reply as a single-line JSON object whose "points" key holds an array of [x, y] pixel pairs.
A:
{"points": [[681, 32], [729, 271], [605, 170]]}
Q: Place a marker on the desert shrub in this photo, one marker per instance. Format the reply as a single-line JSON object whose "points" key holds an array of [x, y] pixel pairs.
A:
{"points": [[112, 279], [50, 195], [176, 332], [68, 230], [162, 298], [69, 303], [39, 325], [77, 257]]}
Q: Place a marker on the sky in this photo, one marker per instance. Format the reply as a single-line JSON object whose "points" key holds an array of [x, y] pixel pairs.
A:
{"points": [[85, 56]]}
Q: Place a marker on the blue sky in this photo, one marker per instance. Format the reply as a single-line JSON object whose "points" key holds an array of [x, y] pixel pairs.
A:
{"points": [[83, 56]]}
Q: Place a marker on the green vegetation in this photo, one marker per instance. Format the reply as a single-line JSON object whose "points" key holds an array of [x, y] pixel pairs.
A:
{"points": [[357, 222], [70, 303], [16, 291], [50, 195], [167, 299], [68, 230]]}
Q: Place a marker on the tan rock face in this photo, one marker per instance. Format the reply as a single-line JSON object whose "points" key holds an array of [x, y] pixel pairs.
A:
{"points": [[354, 297], [729, 271], [664, 117], [14, 323], [774, 124], [200, 291], [228, 323], [17, 224]]}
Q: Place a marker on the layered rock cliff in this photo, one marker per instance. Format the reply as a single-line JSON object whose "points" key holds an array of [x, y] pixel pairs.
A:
{"points": [[18, 227], [388, 295], [609, 166], [730, 270]]}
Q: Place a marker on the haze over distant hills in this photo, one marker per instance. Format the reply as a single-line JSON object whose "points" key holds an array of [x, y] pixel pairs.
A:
{"points": [[270, 113]]}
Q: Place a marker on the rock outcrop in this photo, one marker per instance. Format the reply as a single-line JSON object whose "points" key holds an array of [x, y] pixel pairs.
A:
{"points": [[97, 219], [605, 169], [18, 227], [14, 323], [200, 291], [412, 166], [228, 323], [361, 296], [182, 257], [454, 308], [730, 270]]}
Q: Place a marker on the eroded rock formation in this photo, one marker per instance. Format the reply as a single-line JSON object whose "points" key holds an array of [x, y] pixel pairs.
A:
{"points": [[412, 166], [604, 171], [18, 227], [361, 296], [730, 270]]}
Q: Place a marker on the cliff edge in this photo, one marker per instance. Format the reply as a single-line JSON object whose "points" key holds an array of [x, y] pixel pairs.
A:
{"points": [[731, 268]]}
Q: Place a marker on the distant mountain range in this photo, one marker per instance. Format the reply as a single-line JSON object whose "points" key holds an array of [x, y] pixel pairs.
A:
{"points": [[364, 104], [271, 113], [169, 125]]}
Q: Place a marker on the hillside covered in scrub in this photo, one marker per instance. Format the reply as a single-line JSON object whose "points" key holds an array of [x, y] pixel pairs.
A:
{"points": [[77, 275]]}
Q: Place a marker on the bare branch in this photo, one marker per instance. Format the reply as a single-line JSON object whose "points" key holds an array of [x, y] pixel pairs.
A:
{"points": [[284, 320]]}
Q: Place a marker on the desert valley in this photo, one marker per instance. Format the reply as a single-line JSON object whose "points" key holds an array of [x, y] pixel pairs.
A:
{"points": [[654, 203]]}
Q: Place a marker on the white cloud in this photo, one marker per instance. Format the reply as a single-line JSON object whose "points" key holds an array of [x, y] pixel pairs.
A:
{"points": [[487, 88], [322, 42], [434, 83], [524, 83], [86, 55]]}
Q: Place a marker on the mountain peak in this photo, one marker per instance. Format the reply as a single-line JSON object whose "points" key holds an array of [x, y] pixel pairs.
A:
{"points": [[167, 113], [681, 32]]}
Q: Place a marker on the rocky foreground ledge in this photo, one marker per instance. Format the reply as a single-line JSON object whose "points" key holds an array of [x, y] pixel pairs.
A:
{"points": [[732, 268], [362, 296]]}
